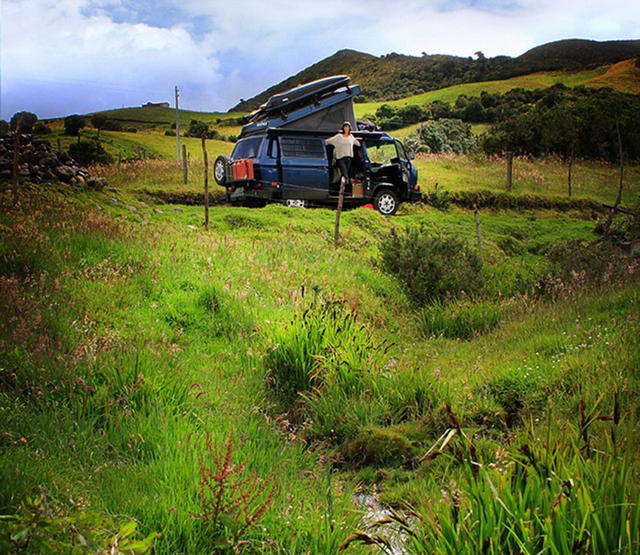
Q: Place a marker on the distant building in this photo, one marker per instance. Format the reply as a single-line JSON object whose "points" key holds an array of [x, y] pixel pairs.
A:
{"points": [[156, 105]]}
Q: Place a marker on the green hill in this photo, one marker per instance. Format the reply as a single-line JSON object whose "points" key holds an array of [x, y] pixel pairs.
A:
{"points": [[396, 76], [623, 76]]}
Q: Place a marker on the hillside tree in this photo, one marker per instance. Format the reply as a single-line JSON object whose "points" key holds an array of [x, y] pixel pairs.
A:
{"points": [[23, 122], [98, 121], [73, 124]]}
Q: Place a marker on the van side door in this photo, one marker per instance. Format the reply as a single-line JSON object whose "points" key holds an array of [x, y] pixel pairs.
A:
{"points": [[270, 163], [305, 168]]}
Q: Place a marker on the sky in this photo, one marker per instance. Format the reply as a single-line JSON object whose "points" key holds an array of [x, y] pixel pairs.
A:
{"points": [[61, 57]]}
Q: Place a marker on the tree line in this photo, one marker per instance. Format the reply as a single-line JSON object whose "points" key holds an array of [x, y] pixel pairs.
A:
{"points": [[578, 122]]}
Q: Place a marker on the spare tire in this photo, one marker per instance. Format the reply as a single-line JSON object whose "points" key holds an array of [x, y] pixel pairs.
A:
{"points": [[219, 170]]}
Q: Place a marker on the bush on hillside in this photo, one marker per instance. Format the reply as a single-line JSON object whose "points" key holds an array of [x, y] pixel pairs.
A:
{"points": [[389, 117], [73, 124], [432, 267], [445, 135], [26, 120], [574, 265], [199, 129], [87, 153], [578, 122], [41, 129], [112, 125]]}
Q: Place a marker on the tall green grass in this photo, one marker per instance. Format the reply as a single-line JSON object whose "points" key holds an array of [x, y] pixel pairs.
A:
{"points": [[125, 348], [538, 496]]}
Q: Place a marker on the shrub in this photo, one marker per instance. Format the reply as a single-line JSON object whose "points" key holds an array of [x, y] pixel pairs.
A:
{"points": [[432, 268], [112, 125], [26, 119], [41, 129], [444, 135], [575, 264], [438, 199], [89, 152], [73, 124]]}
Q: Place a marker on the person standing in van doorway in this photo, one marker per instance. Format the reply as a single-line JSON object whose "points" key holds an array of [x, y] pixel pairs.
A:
{"points": [[343, 143]]}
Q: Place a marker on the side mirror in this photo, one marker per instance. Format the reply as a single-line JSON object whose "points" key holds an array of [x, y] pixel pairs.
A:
{"points": [[411, 154]]}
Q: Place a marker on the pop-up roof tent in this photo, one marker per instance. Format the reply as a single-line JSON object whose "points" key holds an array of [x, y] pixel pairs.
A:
{"points": [[321, 105]]}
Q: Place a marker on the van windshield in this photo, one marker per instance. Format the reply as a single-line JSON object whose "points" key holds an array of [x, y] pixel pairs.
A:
{"points": [[247, 148]]}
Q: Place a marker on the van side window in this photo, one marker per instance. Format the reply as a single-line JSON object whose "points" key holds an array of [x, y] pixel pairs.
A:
{"points": [[303, 148], [247, 148], [272, 152]]}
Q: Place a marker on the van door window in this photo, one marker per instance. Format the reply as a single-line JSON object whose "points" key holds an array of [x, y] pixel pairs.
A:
{"points": [[302, 148], [401, 151]]}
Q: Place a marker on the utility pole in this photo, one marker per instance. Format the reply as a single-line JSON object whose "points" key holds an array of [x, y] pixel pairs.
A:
{"points": [[177, 124]]}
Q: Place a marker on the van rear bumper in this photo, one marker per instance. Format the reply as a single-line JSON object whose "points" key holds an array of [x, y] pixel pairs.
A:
{"points": [[250, 192]]}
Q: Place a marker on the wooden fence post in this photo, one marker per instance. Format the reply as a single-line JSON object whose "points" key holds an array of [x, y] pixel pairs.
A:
{"points": [[206, 183], [16, 160], [475, 211], [509, 170], [336, 234], [607, 226], [572, 155], [184, 162]]}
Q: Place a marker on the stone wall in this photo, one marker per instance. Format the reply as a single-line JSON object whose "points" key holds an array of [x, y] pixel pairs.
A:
{"points": [[39, 163]]}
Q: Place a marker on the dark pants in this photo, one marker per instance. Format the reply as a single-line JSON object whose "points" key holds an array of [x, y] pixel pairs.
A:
{"points": [[344, 164]]}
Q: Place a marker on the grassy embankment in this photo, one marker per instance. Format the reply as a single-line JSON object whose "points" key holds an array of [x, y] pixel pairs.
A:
{"points": [[126, 346]]}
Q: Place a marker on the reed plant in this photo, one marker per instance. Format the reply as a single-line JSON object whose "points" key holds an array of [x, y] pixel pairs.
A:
{"points": [[462, 319]]}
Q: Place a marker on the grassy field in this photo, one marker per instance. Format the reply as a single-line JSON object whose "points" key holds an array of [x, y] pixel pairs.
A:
{"points": [[247, 388], [543, 178], [255, 388]]}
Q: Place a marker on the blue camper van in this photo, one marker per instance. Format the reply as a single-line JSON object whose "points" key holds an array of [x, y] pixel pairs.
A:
{"points": [[282, 155]]}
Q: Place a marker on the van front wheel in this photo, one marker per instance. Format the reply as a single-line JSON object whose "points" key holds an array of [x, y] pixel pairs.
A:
{"points": [[386, 202]]}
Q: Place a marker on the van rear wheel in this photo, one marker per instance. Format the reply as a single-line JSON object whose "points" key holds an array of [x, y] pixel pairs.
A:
{"points": [[219, 170], [386, 202]]}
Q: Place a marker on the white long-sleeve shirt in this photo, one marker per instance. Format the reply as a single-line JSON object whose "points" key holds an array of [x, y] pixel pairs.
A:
{"points": [[343, 145]]}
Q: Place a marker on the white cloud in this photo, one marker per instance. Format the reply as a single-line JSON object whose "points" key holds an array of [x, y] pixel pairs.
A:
{"points": [[57, 47], [84, 55]]}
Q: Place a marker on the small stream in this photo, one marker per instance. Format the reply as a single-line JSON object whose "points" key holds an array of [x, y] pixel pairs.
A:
{"points": [[375, 512]]}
